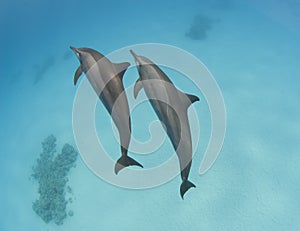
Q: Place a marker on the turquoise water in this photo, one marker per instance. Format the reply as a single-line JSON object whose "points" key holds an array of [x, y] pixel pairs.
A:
{"points": [[252, 50]]}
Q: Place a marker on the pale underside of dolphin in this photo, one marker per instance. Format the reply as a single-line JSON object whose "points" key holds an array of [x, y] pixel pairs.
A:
{"points": [[170, 105], [106, 79]]}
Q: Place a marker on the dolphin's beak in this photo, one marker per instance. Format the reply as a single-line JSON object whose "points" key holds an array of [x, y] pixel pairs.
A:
{"points": [[133, 54], [135, 57], [75, 50]]}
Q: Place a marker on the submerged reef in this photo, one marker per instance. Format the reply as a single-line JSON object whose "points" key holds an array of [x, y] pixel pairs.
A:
{"points": [[51, 171], [199, 27]]}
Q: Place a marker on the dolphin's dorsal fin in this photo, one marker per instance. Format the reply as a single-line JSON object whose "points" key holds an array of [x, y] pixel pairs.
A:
{"points": [[192, 98], [137, 87], [77, 74], [121, 68]]}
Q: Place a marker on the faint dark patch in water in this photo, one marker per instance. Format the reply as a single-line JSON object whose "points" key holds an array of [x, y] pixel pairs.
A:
{"points": [[26, 4], [16, 76], [42, 69], [222, 4], [199, 28], [67, 55]]}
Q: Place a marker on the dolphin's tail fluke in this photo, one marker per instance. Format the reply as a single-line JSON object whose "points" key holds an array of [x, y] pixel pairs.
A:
{"points": [[185, 186], [124, 162]]}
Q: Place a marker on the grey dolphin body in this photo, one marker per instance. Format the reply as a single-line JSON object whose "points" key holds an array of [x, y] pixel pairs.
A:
{"points": [[106, 79], [171, 107]]}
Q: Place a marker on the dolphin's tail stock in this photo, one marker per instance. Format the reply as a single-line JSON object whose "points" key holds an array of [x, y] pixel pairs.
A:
{"points": [[124, 162], [185, 186]]}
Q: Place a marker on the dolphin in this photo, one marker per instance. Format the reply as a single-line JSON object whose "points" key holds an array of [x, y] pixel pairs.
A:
{"points": [[170, 105], [106, 79]]}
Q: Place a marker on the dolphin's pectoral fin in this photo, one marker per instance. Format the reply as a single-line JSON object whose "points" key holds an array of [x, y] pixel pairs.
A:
{"points": [[77, 74], [137, 87], [185, 186], [124, 162], [121, 68], [192, 98]]}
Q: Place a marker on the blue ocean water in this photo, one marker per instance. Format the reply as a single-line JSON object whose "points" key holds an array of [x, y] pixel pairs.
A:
{"points": [[250, 47]]}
